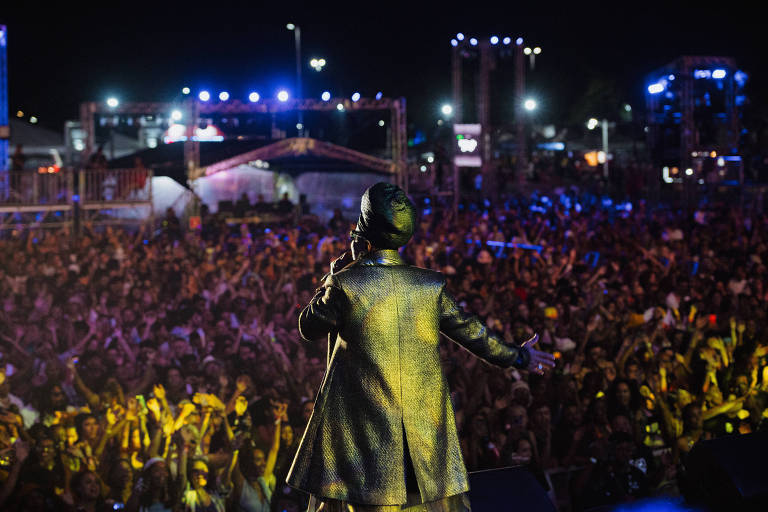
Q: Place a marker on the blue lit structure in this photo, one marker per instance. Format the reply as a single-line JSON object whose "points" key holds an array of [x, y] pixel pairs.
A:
{"points": [[4, 128], [693, 117]]}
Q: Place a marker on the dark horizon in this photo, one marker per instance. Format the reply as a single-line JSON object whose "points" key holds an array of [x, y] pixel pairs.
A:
{"points": [[149, 54]]}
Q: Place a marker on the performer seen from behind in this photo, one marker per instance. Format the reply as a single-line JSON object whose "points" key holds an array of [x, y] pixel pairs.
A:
{"points": [[382, 436]]}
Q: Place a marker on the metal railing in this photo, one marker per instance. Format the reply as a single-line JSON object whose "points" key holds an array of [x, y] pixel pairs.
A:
{"points": [[114, 185], [27, 189], [57, 188]]}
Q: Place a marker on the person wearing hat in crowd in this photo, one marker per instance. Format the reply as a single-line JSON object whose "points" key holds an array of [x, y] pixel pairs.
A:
{"points": [[382, 435]]}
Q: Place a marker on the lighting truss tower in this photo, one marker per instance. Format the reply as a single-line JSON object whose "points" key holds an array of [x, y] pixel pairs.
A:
{"points": [[488, 51], [487, 62], [4, 128], [694, 123], [522, 152]]}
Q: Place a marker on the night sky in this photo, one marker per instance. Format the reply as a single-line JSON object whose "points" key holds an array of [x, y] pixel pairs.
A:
{"points": [[61, 56]]}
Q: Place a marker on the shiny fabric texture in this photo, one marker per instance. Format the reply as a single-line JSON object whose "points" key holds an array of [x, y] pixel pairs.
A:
{"points": [[384, 388], [455, 503]]}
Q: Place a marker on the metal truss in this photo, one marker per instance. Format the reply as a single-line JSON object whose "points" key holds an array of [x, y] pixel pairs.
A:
{"points": [[194, 109]]}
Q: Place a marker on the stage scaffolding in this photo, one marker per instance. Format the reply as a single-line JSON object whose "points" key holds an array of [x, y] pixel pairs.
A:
{"points": [[193, 109]]}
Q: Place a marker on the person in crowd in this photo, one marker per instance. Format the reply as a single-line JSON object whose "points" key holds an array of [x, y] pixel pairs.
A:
{"points": [[338, 222], [18, 158], [285, 205]]}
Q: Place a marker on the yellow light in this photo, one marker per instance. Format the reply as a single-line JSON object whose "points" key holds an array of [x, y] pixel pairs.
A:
{"points": [[729, 427], [743, 414], [591, 158], [527, 51], [19, 113], [713, 154]]}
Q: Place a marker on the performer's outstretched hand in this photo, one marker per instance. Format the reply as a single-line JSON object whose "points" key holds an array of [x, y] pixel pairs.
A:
{"points": [[539, 360]]}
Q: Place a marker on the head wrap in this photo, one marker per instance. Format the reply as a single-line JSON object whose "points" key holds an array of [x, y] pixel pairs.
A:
{"points": [[387, 216]]}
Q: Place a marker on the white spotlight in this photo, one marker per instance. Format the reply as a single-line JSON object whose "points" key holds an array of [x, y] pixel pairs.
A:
{"points": [[282, 95]]}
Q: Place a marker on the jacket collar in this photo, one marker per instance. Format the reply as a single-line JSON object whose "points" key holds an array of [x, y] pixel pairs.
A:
{"points": [[386, 257]]}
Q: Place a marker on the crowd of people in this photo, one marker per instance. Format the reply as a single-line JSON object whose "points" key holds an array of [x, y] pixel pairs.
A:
{"points": [[153, 371]]}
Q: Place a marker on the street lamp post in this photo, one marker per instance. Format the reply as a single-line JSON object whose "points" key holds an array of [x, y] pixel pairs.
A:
{"points": [[604, 126], [297, 38], [112, 103], [532, 53]]}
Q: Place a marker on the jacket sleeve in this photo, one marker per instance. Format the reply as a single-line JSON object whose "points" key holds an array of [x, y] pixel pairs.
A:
{"points": [[325, 311], [468, 331]]}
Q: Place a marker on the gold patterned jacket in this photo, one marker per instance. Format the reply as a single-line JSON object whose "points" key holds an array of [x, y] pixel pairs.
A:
{"points": [[384, 389]]}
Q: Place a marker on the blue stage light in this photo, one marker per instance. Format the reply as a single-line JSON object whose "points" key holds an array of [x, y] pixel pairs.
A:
{"points": [[325, 96], [718, 73], [740, 77], [494, 40], [204, 96]]}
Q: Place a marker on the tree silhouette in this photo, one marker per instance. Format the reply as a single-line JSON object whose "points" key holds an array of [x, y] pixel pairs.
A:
{"points": [[601, 99]]}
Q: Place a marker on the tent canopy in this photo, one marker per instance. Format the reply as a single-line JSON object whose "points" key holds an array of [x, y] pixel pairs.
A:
{"points": [[291, 156]]}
